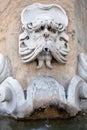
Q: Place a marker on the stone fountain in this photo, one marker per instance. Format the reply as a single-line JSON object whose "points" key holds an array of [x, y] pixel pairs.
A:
{"points": [[44, 40]]}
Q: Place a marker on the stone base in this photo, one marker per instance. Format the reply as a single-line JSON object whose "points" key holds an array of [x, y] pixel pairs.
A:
{"points": [[52, 112]]}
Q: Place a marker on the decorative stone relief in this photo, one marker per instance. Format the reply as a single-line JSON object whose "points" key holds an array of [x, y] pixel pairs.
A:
{"points": [[11, 96], [44, 35], [5, 68], [82, 66], [77, 90], [41, 93], [43, 38]]}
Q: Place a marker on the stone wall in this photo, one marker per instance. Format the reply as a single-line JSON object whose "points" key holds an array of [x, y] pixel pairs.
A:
{"points": [[81, 23], [10, 28]]}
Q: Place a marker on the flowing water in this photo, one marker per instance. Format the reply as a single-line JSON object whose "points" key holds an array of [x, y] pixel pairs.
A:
{"points": [[70, 124]]}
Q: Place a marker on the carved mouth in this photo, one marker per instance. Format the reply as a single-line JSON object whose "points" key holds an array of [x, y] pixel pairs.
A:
{"points": [[46, 50]]}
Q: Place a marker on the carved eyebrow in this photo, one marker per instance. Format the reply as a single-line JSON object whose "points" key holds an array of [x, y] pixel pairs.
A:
{"points": [[38, 26], [46, 23], [53, 25]]}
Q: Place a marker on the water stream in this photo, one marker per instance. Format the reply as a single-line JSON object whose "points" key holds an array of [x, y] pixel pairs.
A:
{"points": [[70, 124]]}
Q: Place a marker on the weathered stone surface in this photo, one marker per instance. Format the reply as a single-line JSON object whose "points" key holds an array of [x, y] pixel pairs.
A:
{"points": [[81, 23], [44, 36], [5, 68], [77, 90], [10, 28], [82, 66], [42, 95]]}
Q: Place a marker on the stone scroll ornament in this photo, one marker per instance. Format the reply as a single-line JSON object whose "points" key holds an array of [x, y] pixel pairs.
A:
{"points": [[42, 92], [44, 35]]}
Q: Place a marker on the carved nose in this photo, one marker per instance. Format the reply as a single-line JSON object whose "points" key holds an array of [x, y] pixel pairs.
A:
{"points": [[46, 33]]}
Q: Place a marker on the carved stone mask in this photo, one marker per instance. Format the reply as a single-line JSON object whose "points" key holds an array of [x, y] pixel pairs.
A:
{"points": [[44, 34]]}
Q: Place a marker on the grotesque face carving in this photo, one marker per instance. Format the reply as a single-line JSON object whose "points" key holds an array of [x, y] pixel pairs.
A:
{"points": [[44, 34]]}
